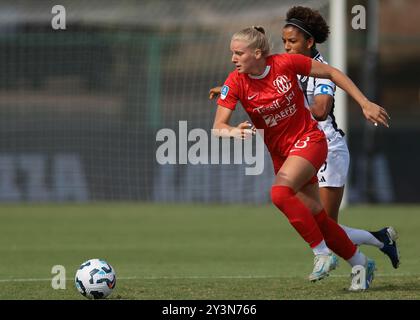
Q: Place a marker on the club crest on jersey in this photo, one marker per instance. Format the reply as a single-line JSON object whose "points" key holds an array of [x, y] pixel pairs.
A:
{"points": [[282, 84], [224, 92]]}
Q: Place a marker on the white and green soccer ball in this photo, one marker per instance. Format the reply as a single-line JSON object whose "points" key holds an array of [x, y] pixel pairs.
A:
{"points": [[95, 279]]}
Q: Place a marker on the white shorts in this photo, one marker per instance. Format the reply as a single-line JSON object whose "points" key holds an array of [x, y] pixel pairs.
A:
{"points": [[333, 173]]}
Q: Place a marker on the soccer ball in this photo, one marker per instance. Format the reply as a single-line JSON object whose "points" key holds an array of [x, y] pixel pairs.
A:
{"points": [[95, 279]]}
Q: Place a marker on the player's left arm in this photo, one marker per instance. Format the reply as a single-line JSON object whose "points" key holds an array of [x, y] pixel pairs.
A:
{"points": [[373, 112]]}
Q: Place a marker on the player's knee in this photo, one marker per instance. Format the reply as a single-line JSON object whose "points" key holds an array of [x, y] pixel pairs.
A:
{"points": [[314, 207], [280, 194]]}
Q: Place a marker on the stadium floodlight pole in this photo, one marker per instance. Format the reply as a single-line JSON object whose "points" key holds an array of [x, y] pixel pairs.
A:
{"points": [[338, 59]]}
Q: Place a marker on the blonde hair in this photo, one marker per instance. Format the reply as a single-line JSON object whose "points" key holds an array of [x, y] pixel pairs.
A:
{"points": [[256, 38]]}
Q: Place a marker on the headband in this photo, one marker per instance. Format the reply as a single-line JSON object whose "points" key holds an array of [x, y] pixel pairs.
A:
{"points": [[299, 24]]}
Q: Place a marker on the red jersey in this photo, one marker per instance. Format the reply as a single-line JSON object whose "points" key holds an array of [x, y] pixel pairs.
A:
{"points": [[274, 100]]}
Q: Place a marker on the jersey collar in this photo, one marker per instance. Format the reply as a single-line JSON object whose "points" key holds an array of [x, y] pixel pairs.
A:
{"points": [[261, 76]]}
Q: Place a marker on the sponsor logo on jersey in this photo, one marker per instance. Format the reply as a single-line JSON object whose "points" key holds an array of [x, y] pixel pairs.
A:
{"points": [[282, 84], [277, 104], [271, 120], [224, 92]]}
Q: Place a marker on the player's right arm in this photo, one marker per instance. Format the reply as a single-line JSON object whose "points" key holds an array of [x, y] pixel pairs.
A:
{"points": [[222, 128], [226, 104]]}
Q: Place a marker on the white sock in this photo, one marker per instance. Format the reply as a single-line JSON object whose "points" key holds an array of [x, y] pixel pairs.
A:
{"points": [[321, 249], [358, 259], [359, 236]]}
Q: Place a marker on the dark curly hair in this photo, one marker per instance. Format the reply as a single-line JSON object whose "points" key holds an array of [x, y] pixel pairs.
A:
{"points": [[316, 24]]}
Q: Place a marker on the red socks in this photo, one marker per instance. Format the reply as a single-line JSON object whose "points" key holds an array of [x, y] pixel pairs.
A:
{"points": [[313, 229], [335, 237], [300, 217]]}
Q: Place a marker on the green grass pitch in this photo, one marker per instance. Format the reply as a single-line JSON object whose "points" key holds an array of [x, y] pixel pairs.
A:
{"points": [[192, 252]]}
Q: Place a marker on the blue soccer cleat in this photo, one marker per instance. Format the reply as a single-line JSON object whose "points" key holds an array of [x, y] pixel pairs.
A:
{"points": [[388, 236], [370, 272]]}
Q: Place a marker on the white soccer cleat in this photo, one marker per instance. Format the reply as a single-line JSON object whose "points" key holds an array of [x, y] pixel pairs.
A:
{"points": [[323, 264], [362, 277]]}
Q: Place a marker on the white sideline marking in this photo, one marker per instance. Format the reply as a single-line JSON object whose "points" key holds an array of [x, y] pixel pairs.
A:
{"points": [[215, 277]]}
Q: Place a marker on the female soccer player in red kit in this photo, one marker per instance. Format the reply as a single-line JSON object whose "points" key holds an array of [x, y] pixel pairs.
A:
{"points": [[267, 87], [304, 28]]}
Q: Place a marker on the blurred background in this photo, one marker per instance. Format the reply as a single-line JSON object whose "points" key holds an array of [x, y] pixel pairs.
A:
{"points": [[80, 107]]}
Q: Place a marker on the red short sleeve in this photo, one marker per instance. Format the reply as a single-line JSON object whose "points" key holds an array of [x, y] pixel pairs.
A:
{"points": [[300, 64], [229, 94]]}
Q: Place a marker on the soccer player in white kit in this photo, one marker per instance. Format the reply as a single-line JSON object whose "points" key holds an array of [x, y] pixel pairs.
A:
{"points": [[303, 29]]}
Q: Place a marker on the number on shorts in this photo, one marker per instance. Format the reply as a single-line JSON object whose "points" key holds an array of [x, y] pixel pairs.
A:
{"points": [[302, 144]]}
